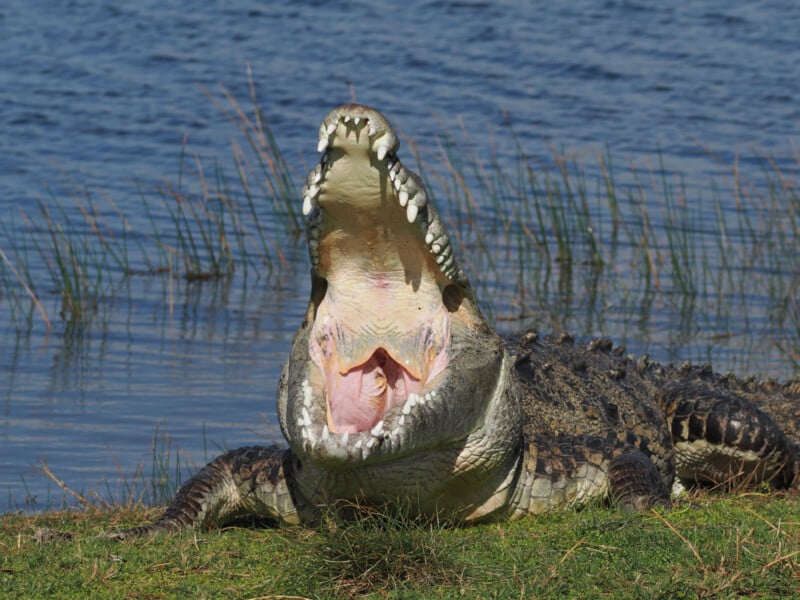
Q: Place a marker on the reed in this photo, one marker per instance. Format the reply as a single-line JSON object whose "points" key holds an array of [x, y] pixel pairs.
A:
{"points": [[558, 242], [576, 245]]}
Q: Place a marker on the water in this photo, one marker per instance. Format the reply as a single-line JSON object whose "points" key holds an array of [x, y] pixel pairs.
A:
{"points": [[99, 96]]}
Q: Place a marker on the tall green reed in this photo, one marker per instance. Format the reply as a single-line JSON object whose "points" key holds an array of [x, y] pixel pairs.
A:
{"points": [[561, 242], [574, 242]]}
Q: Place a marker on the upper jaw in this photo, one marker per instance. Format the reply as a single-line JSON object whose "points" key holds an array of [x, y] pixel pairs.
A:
{"points": [[370, 127], [359, 170]]}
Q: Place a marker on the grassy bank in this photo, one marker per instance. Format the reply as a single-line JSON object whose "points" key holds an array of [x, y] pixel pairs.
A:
{"points": [[710, 547], [575, 244]]}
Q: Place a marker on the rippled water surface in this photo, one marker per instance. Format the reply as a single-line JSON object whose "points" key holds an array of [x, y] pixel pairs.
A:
{"points": [[97, 100]]}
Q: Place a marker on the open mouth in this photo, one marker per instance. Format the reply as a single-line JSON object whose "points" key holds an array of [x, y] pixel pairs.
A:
{"points": [[386, 297], [359, 399], [394, 358], [381, 330], [374, 360]]}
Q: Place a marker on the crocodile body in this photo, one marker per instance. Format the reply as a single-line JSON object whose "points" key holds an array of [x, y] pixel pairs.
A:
{"points": [[398, 392]]}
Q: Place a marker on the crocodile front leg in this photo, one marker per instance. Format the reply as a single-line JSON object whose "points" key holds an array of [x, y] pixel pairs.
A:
{"points": [[574, 470], [254, 480]]}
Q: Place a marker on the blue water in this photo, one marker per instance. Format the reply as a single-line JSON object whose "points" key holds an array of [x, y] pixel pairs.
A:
{"points": [[99, 97]]}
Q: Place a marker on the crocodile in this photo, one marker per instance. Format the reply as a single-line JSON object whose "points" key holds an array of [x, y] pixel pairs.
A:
{"points": [[398, 393]]}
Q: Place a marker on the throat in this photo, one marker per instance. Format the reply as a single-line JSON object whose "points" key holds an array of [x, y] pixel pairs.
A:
{"points": [[374, 345], [361, 397]]}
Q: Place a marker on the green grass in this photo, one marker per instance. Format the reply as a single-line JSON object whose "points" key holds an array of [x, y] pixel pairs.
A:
{"points": [[721, 547]]}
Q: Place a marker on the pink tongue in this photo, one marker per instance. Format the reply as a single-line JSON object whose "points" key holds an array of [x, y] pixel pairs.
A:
{"points": [[360, 398]]}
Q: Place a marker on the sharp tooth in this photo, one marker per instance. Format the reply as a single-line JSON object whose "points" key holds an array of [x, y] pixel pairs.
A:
{"points": [[411, 212], [331, 128], [313, 191], [356, 120], [308, 204], [306, 417], [377, 431], [323, 144], [317, 177], [407, 408], [402, 420], [382, 151], [345, 437], [429, 238], [325, 432], [346, 118], [403, 198], [372, 129], [436, 248]]}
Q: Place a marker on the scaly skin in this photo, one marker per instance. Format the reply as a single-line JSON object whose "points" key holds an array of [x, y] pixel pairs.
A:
{"points": [[398, 393]]}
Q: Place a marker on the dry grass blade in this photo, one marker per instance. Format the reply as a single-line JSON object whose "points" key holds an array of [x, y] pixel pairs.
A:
{"points": [[772, 526], [680, 536], [779, 560], [28, 290], [60, 483], [569, 552], [279, 597]]}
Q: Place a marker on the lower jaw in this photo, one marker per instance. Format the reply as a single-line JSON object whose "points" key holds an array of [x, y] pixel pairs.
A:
{"points": [[387, 437]]}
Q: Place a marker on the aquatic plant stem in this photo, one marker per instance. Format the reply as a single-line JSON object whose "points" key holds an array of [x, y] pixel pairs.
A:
{"points": [[28, 290]]}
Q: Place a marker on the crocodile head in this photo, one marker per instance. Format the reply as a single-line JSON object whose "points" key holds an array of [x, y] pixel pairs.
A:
{"points": [[394, 361]]}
